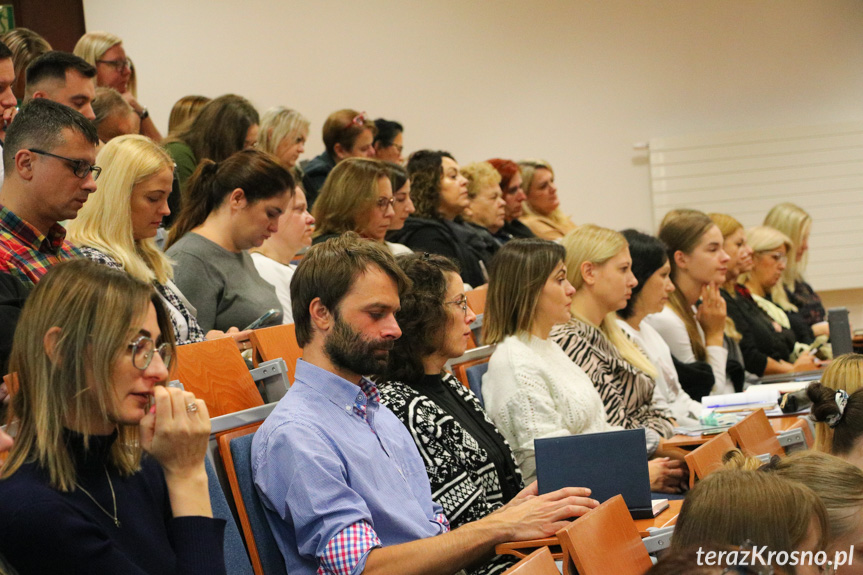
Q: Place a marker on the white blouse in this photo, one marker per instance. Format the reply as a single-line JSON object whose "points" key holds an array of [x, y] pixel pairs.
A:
{"points": [[279, 276]]}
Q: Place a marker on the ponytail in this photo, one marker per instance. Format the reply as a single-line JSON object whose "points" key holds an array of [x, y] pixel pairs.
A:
{"points": [[198, 201]]}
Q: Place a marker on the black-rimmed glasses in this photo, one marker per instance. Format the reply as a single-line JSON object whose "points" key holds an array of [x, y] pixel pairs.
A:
{"points": [[79, 167], [144, 348]]}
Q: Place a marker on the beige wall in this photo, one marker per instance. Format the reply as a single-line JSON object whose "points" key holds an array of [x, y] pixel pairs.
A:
{"points": [[574, 81]]}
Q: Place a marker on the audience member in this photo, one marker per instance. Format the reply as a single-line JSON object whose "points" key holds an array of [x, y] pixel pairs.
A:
{"points": [[184, 111], [117, 226], [403, 206], [532, 389], [599, 268], [92, 352], [652, 270], [486, 207], [13, 294], [698, 267], [8, 102], [64, 78], [749, 508], [514, 196], [105, 51], [844, 373], [342, 483], [273, 258], [389, 141], [542, 213], [839, 414], [347, 134], [795, 223], [357, 197], [26, 45], [283, 133], [233, 206], [223, 127], [48, 156], [114, 116], [440, 196]]}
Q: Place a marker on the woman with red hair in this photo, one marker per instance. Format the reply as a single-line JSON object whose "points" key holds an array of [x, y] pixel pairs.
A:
{"points": [[513, 195]]}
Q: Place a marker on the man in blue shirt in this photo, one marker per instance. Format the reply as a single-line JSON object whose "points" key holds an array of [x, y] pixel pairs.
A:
{"points": [[340, 477]]}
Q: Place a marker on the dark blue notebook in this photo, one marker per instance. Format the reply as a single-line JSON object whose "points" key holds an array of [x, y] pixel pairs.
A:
{"points": [[610, 463]]}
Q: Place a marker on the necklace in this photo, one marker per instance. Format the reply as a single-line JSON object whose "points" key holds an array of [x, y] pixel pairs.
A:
{"points": [[113, 498]]}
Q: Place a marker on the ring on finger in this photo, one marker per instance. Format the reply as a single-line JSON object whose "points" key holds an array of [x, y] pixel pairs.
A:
{"points": [[191, 407]]}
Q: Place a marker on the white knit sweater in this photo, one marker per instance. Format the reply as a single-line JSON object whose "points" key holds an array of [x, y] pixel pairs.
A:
{"points": [[533, 390]]}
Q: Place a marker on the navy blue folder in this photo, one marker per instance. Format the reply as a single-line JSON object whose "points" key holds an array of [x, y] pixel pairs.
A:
{"points": [[610, 463]]}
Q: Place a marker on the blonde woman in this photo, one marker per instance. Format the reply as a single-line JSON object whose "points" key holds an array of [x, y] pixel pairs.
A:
{"points": [[485, 210], [600, 269], [185, 110], [771, 249], [92, 352], [698, 267], [532, 388], [795, 223], [542, 212], [105, 51], [26, 46], [283, 133]]}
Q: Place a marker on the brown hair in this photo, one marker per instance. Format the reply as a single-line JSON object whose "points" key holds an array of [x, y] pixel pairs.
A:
{"points": [[343, 127], [840, 438], [184, 112], [220, 128], [844, 372], [425, 169], [328, 271], [348, 195]]}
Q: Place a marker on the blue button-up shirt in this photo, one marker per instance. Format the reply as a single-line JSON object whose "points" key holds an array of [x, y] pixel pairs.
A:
{"points": [[329, 457]]}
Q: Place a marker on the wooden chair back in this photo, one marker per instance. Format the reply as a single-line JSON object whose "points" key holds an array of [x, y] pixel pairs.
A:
{"points": [[708, 457], [215, 371], [539, 562], [605, 540], [755, 436], [279, 341], [804, 426], [476, 299], [471, 357]]}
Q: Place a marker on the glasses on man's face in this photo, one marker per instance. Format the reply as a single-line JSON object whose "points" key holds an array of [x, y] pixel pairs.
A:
{"points": [[778, 257], [118, 65], [79, 167], [460, 302], [384, 203], [143, 350]]}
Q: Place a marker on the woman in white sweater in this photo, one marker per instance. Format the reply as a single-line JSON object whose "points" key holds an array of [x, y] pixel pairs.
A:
{"points": [[532, 389], [698, 266]]}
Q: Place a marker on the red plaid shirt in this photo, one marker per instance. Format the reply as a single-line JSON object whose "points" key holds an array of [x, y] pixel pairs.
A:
{"points": [[27, 254]]}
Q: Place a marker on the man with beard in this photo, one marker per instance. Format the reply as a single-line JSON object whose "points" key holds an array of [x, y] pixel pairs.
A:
{"points": [[342, 482]]}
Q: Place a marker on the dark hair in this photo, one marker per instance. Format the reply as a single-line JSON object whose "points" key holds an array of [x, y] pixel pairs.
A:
{"points": [[425, 168], [53, 65], [40, 124], [398, 175], [5, 52], [343, 127], [220, 128], [423, 315], [849, 428], [688, 561], [257, 173], [648, 255], [329, 269], [507, 170], [387, 132]]}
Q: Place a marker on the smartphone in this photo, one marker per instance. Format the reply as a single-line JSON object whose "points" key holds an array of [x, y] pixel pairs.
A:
{"points": [[270, 314]]}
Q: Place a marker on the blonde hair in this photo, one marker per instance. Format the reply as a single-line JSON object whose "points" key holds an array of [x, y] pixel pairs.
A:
{"points": [[277, 124], [595, 244], [26, 46], [845, 372], [94, 307], [681, 231], [348, 194], [105, 221], [528, 170], [517, 274], [731, 506], [93, 45], [794, 222], [728, 225], [763, 239], [480, 175], [185, 110]]}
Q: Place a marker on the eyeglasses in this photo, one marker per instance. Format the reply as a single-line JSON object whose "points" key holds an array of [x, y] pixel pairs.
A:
{"points": [[360, 119], [778, 257], [79, 167], [118, 65], [143, 350], [384, 203], [460, 302]]}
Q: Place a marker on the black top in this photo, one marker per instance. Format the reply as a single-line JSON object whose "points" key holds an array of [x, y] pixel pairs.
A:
{"points": [[760, 340], [316, 172], [516, 229], [696, 378], [47, 531], [12, 296], [808, 302]]}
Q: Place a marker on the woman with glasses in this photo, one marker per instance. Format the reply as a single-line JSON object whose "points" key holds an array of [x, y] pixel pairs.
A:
{"points": [[105, 52], [389, 141], [107, 472], [770, 256], [357, 197], [403, 206]]}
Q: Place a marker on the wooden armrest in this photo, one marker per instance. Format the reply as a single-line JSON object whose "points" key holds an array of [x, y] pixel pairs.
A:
{"points": [[522, 549]]}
